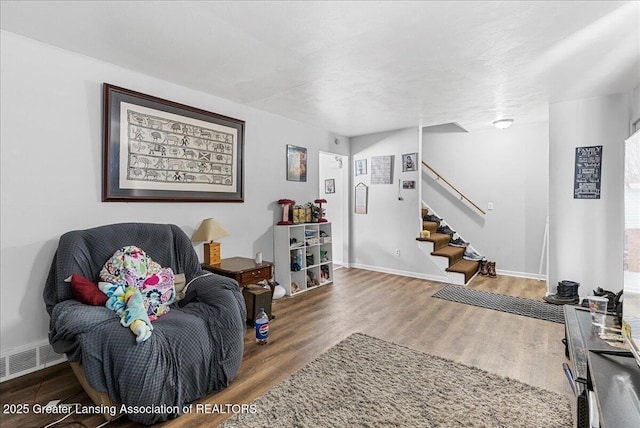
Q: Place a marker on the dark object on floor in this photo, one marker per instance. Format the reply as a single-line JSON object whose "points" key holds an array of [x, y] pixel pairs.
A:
{"points": [[256, 297], [566, 294], [500, 302]]}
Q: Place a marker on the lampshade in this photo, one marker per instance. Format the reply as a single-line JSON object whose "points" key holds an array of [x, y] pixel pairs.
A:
{"points": [[503, 123], [209, 231]]}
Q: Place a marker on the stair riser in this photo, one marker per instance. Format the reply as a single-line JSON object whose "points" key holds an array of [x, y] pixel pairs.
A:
{"points": [[430, 226], [441, 262], [456, 278]]}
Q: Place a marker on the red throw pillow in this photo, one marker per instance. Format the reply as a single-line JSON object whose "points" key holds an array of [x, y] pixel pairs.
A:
{"points": [[86, 291]]}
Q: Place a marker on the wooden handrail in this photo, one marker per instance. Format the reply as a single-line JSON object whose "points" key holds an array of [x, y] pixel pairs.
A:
{"points": [[462, 195]]}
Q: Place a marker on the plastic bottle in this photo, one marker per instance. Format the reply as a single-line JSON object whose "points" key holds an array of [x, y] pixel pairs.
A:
{"points": [[262, 327]]}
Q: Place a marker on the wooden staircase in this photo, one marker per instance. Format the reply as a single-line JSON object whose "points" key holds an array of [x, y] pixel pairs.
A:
{"points": [[447, 257]]}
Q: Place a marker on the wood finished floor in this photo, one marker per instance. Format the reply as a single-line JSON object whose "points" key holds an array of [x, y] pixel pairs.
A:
{"points": [[394, 308]]}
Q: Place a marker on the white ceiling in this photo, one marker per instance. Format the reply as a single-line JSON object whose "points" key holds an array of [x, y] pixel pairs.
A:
{"points": [[360, 67]]}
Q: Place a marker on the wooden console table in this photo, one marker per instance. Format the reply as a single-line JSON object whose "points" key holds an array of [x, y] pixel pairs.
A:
{"points": [[244, 270]]}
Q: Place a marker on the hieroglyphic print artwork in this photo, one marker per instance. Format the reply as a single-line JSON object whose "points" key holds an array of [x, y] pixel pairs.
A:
{"points": [[164, 151]]}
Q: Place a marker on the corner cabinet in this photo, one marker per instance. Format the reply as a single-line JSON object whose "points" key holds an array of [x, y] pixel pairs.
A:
{"points": [[303, 256]]}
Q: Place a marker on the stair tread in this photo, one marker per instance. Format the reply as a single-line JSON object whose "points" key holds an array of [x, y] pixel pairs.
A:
{"points": [[448, 251], [466, 267], [439, 240]]}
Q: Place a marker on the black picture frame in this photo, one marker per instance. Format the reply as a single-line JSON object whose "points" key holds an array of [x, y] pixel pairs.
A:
{"points": [[296, 163], [156, 150]]}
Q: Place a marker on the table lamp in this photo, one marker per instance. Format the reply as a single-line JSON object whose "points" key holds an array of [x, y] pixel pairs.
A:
{"points": [[209, 231]]}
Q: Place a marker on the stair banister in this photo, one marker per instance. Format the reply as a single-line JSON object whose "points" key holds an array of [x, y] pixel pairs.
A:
{"points": [[462, 195]]}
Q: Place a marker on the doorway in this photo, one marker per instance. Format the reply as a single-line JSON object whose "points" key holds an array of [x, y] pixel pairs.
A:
{"points": [[334, 173]]}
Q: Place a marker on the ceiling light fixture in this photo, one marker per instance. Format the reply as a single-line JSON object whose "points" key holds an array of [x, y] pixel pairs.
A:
{"points": [[503, 123]]}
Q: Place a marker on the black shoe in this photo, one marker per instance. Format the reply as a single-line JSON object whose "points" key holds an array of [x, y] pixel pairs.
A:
{"points": [[458, 242], [555, 299], [431, 217], [445, 229], [472, 255], [568, 289]]}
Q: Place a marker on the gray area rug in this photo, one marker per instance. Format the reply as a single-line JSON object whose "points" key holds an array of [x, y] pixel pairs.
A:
{"points": [[367, 382], [500, 302]]}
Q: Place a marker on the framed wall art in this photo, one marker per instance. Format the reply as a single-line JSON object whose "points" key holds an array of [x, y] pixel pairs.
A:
{"points": [[361, 167], [587, 175], [361, 198], [409, 162], [296, 163], [382, 169], [330, 185], [157, 150]]}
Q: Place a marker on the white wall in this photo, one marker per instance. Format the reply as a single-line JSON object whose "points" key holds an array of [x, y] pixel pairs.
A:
{"points": [[507, 167], [51, 162], [390, 223], [586, 235], [337, 206]]}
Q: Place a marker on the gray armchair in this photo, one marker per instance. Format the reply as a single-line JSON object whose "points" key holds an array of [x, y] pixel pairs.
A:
{"points": [[194, 350]]}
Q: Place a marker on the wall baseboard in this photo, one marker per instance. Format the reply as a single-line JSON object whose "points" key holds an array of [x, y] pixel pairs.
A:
{"points": [[443, 279], [401, 272], [28, 358], [521, 274]]}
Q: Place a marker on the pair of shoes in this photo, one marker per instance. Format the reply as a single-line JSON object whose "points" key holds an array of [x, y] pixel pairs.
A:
{"points": [[458, 242], [472, 255], [488, 268], [431, 217], [443, 228]]}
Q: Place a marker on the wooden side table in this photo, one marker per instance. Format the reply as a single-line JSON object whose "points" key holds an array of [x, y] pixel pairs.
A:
{"points": [[244, 270]]}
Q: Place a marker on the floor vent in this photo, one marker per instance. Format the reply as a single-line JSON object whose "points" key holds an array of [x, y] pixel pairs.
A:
{"points": [[27, 359]]}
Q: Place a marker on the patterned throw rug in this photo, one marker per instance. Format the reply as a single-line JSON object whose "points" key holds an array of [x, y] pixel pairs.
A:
{"points": [[500, 302], [368, 382]]}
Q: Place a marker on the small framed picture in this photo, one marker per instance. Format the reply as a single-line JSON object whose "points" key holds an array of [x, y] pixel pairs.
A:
{"points": [[409, 162], [296, 163], [330, 185], [361, 167], [409, 184]]}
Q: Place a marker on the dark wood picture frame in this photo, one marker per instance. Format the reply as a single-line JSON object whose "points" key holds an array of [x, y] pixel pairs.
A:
{"points": [[156, 150], [296, 163]]}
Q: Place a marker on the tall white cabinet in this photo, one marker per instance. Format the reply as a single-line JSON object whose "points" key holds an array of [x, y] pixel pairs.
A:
{"points": [[303, 256]]}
